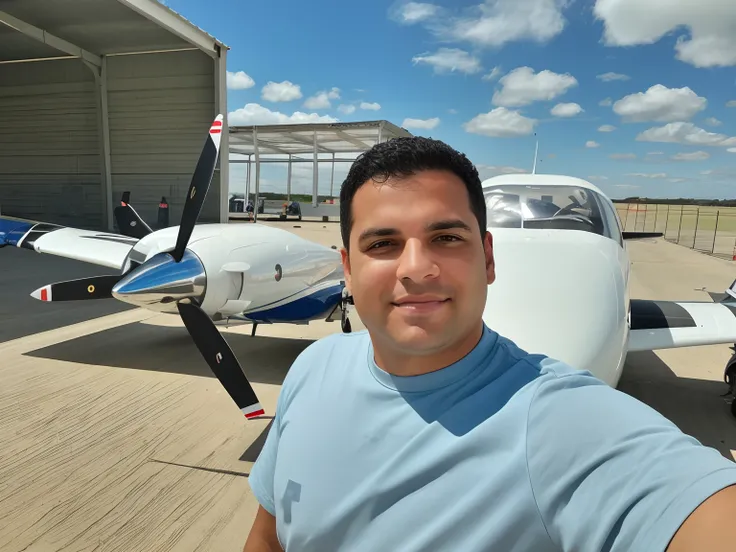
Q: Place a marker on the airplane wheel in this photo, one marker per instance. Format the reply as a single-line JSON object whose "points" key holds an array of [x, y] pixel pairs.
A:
{"points": [[730, 379]]}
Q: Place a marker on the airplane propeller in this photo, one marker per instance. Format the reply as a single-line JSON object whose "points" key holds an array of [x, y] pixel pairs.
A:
{"points": [[206, 337]]}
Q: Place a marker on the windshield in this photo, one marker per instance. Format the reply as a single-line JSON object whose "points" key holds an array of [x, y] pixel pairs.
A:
{"points": [[549, 207]]}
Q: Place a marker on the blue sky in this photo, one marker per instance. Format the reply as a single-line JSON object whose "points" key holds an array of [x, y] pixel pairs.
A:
{"points": [[485, 76]]}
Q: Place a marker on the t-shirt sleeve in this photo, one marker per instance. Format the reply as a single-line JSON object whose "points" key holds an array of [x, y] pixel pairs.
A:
{"points": [[608, 472], [262, 473]]}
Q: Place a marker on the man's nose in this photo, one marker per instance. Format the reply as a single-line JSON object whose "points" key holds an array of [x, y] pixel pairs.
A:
{"points": [[416, 262]]}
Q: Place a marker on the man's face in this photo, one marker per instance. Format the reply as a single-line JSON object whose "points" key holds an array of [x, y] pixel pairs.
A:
{"points": [[418, 268]]}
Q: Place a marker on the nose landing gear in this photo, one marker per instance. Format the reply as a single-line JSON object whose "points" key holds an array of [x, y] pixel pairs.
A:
{"points": [[729, 376]]}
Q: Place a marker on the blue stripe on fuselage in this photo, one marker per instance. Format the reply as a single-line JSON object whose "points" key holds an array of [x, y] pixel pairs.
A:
{"points": [[12, 230], [311, 307]]}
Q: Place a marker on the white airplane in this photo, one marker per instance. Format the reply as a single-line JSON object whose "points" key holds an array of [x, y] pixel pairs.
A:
{"points": [[208, 273], [562, 284]]}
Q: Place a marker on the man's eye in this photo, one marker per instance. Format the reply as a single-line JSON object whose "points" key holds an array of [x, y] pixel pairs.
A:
{"points": [[377, 244], [448, 238]]}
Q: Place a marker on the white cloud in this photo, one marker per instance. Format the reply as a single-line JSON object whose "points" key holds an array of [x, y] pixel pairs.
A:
{"points": [[347, 109], [731, 103], [606, 103], [606, 128], [414, 12], [522, 87], [710, 42], [608, 77], [731, 150], [622, 156], [501, 123], [488, 171], [370, 106], [676, 180], [685, 133], [712, 121], [494, 74], [566, 110], [450, 60], [498, 22], [648, 175], [421, 123], [255, 114], [284, 91], [660, 104], [694, 156], [452, 111], [239, 81], [592, 144], [597, 178], [321, 100]]}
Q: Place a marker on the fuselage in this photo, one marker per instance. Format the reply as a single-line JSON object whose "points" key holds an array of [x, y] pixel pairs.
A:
{"points": [[562, 292]]}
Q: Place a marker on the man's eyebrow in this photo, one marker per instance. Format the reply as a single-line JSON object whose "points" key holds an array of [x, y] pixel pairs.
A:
{"points": [[448, 225], [431, 227], [377, 233]]}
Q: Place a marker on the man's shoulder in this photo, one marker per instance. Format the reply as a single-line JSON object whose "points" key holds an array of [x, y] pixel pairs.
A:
{"points": [[334, 350]]}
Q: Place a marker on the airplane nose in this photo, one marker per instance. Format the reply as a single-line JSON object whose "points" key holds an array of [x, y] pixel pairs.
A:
{"points": [[160, 282]]}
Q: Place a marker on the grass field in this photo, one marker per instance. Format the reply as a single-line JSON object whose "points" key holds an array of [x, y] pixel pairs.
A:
{"points": [[708, 229]]}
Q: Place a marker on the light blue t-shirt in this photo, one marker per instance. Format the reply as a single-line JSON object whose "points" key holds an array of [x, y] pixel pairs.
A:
{"points": [[501, 451]]}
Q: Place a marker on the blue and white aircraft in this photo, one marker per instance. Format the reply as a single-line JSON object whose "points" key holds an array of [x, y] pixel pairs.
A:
{"points": [[207, 273]]}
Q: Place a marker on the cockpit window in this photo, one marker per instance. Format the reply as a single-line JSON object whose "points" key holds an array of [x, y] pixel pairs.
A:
{"points": [[548, 207]]}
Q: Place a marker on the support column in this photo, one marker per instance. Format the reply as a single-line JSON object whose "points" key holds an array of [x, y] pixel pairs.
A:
{"points": [[247, 180], [288, 180], [315, 173], [258, 173], [332, 176], [221, 107], [103, 130]]}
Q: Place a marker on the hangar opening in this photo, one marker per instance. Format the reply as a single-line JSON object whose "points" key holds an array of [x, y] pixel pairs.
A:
{"points": [[296, 144], [100, 97]]}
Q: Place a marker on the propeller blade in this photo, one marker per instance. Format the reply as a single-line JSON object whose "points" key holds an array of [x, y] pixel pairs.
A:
{"points": [[129, 221], [198, 188], [219, 356], [94, 287]]}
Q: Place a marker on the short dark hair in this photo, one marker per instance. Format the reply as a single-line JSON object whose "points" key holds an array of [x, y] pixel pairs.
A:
{"points": [[402, 157]]}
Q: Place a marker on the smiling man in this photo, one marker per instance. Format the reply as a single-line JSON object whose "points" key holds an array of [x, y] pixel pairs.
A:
{"points": [[430, 431]]}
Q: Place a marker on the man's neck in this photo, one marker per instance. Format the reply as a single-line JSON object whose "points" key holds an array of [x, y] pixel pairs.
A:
{"points": [[399, 363]]}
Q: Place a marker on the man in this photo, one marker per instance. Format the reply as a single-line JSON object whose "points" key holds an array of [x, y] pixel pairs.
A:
{"points": [[432, 432]]}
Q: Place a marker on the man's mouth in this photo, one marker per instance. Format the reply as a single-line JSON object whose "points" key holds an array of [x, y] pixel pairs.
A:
{"points": [[420, 304]]}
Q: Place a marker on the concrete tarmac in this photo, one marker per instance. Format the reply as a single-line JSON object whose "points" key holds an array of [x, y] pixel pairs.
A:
{"points": [[115, 436]]}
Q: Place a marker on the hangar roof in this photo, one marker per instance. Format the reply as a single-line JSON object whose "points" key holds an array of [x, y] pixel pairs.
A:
{"points": [[299, 138], [42, 29]]}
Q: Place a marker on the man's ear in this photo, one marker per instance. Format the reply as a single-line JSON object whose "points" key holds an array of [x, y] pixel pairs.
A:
{"points": [[346, 268], [490, 261]]}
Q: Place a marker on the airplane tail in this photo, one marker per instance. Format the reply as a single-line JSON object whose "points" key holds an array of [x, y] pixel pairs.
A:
{"points": [[129, 221]]}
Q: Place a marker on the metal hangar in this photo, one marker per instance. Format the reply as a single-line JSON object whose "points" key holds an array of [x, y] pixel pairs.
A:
{"points": [[98, 97]]}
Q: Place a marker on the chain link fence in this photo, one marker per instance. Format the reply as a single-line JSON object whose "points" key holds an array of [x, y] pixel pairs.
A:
{"points": [[710, 230]]}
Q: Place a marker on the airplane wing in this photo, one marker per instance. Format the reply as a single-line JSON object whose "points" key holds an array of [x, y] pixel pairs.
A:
{"points": [[671, 324], [100, 248]]}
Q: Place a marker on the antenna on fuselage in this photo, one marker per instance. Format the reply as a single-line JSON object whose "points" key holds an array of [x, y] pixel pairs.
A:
{"points": [[536, 153]]}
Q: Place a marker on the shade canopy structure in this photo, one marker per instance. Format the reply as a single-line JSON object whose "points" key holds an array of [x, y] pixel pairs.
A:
{"points": [[306, 142], [102, 96]]}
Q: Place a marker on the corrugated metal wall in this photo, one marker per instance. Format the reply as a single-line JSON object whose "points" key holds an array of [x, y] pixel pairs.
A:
{"points": [[160, 110], [49, 150]]}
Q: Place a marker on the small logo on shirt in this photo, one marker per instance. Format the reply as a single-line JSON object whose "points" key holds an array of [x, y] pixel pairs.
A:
{"points": [[292, 493]]}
